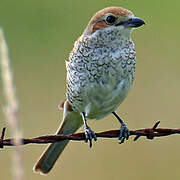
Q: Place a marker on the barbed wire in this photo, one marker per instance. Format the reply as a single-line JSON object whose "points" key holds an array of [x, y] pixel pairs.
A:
{"points": [[149, 133]]}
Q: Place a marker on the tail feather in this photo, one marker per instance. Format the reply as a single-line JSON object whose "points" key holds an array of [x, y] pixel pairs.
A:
{"points": [[72, 121]]}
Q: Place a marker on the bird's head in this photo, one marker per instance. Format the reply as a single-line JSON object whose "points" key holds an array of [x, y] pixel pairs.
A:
{"points": [[113, 18]]}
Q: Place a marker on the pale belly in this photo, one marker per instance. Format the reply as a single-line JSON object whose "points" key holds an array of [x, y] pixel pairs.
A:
{"points": [[97, 83], [101, 100]]}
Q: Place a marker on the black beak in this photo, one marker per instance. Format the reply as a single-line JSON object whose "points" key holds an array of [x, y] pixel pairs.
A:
{"points": [[133, 22]]}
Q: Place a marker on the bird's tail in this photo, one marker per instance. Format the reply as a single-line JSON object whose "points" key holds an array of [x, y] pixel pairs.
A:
{"points": [[72, 121]]}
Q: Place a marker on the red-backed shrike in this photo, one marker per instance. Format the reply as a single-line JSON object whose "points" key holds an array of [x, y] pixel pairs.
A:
{"points": [[100, 73]]}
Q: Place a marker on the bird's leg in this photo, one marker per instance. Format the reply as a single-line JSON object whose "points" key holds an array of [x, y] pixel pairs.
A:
{"points": [[89, 134], [124, 131]]}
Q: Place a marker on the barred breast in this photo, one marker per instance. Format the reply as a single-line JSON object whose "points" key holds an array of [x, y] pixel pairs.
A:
{"points": [[100, 72]]}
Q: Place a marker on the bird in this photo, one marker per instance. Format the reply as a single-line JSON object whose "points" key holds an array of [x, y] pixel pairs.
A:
{"points": [[100, 73]]}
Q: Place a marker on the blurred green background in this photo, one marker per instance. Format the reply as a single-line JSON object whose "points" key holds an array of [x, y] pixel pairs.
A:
{"points": [[40, 34]]}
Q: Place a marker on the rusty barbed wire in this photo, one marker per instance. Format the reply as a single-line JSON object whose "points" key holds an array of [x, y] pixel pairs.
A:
{"points": [[149, 133]]}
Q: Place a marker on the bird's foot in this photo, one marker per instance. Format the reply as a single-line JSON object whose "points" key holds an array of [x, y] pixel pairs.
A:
{"points": [[89, 135], [124, 133]]}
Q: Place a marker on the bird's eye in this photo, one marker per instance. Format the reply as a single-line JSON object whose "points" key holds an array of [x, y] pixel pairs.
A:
{"points": [[110, 19]]}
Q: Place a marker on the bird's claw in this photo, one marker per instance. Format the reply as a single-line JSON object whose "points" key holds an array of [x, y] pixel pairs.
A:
{"points": [[89, 135], [124, 133]]}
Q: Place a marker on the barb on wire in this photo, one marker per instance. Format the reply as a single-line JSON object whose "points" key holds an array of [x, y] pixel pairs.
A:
{"points": [[149, 133]]}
